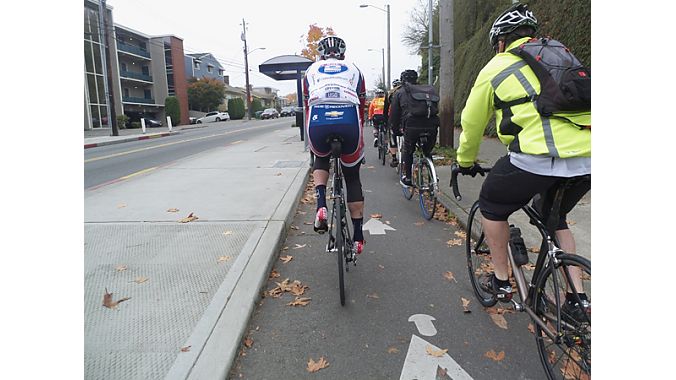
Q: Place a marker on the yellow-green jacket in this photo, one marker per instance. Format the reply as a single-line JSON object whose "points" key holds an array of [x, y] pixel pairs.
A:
{"points": [[509, 78]]}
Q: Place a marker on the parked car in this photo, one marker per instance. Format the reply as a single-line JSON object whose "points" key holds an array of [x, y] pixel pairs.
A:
{"points": [[257, 114], [287, 111], [152, 123], [214, 116], [193, 120], [270, 113]]}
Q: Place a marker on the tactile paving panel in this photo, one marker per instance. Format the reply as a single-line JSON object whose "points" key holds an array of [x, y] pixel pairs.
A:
{"points": [[141, 338]]}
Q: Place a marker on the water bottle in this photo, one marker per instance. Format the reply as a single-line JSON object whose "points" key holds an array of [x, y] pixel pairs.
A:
{"points": [[517, 245]]}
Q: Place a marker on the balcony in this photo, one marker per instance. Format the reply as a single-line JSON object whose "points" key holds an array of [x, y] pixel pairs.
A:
{"points": [[130, 99], [121, 46], [133, 75]]}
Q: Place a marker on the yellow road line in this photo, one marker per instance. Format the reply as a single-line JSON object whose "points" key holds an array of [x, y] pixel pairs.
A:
{"points": [[171, 143], [137, 173]]}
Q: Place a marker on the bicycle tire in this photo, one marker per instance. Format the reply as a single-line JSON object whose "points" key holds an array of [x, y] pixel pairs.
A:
{"points": [[426, 189], [382, 140], [408, 191], [570, 357], [340, 249], [478, 256]]}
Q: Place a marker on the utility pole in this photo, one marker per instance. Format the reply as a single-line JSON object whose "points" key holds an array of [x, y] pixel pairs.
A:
{"points": [[430, 39], [107, 67], [388, 85], [246, 72], [446, 67]]}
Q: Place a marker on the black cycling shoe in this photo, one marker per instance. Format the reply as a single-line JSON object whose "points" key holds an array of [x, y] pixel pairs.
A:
{"points": [[405, 181], [489, 284], [394, 163], [576, 313]]}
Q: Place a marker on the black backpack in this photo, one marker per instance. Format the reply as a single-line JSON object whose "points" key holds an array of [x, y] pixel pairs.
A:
{"points": [[564, 82], [422, 100]]}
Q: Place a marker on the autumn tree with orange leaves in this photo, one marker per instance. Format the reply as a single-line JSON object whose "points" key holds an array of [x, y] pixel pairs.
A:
{"points": [[313, 36]]}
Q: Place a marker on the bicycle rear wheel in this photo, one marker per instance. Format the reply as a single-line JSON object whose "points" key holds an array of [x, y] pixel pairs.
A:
{"points": [[427, 189], [340, 248], [478, 256], [568, 354], [382, 145]]}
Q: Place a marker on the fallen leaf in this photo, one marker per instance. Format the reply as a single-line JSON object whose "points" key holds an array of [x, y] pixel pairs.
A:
{"points": [[172, 210], [392, 350], [185, 349], [295, 227], [528, 266], [275, 292], [226, 233], [285, 248], [298, 301], [465, 305], [121, 268], [571, 222], [380, 266], [435, 353], [531, 328], [374, 295], [140, 280], [285, 285], [188, 218], [499, 320], [449, 276], [419, 223], [377, 216], [497, 357], [274, 274], [108, 300], [297, 289], [314, 366], [248, 342], [278, 174], [299, 246], [453, 242], [224, 258], [286, 259], [122, 205], [461, 234]]}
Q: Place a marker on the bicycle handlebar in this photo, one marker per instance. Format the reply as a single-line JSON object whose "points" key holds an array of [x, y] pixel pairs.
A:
{"points": [[455, 170]]}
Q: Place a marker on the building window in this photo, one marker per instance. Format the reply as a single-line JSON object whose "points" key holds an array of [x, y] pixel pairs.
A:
{"points": [[220, 72], [197, 65], [146, 94], [126, 92], [210, 68]]}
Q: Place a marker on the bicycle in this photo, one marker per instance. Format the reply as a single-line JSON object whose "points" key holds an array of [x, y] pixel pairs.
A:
{"points": [[340, 239], [563, 339], [382, 143], [423, 178]]}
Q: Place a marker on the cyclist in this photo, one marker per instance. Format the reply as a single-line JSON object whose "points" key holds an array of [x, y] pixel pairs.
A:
{"points": [[413, 126], [386, 111], [541, 150], [376, 114], [334, 95]]}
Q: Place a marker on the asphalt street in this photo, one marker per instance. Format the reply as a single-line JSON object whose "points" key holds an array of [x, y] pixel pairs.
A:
{"points": [[400, 281], [120, 161]]}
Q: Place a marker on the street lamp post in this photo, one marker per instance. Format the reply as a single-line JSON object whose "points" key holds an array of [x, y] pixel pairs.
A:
{"points": [[383, 52], [389, 56], [246, 70]]}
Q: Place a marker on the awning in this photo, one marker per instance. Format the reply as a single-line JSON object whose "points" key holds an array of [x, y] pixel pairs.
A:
{"points": [[285, 67]]}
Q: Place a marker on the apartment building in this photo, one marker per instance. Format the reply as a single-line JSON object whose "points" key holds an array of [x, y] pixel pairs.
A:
{"points": [[145, 70]]}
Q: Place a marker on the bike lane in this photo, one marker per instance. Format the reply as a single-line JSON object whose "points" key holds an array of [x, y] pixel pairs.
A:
{"points": [[404, 316]]}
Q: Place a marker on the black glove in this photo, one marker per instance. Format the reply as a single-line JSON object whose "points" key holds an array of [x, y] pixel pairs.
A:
{"points": [[472, 170]]}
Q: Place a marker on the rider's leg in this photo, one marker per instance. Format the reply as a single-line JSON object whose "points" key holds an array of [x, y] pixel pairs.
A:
{"points": [[497, 237], [355, 203], [320, 175], [410, 138]]}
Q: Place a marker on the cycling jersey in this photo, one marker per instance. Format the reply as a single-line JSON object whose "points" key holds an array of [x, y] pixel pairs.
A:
{"points": [[376, 107], [333, 81], [507, 77]]}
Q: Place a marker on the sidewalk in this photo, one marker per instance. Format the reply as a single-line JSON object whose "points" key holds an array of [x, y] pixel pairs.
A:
{"points": [[579, 219], [191, 286]]}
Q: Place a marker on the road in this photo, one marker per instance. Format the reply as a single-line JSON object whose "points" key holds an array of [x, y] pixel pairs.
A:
{"points": [[399, 277], [110, 163]]}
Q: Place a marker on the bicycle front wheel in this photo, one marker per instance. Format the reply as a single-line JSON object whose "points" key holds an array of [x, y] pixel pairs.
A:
{"points": [[408, 191], [427, 183], [566, 354], [478, 256]]}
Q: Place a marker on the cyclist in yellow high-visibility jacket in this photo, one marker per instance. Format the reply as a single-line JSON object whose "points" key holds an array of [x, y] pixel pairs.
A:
{"points": [[541, 150]]}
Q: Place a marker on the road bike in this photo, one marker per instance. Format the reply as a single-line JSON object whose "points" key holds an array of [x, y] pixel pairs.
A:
{"points": [[562, 333], [382, 143], [423, 178], [340, 238]]}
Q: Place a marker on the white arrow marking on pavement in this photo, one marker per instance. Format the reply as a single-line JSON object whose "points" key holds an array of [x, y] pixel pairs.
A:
{"points": [[424, 324], [420, 365], [376, 227]]}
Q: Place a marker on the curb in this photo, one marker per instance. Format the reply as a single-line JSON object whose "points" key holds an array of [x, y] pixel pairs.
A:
{"points": [[453, 208], [135, 138], [220, 350]]}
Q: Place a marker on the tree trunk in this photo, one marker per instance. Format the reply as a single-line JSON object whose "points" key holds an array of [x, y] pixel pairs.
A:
{"points": [[446, 85]]}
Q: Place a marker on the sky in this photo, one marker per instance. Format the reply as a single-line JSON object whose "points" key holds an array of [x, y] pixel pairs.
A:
{"points": [[215, 27]]}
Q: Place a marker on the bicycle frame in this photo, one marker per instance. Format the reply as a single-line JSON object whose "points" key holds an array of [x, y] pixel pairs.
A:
{"points": [[338, 196]]}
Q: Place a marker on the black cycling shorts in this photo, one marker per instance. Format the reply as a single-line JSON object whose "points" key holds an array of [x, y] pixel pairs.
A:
{"points": [[508, 188]]}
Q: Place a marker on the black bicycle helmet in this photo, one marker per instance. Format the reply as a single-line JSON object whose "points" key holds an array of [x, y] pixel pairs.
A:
{"points": [[331, 46], [410, 76], [517, 15], [396, 83]]}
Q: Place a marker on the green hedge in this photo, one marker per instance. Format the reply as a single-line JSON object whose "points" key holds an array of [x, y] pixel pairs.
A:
{"points": [[173, 110], [236, 108]]}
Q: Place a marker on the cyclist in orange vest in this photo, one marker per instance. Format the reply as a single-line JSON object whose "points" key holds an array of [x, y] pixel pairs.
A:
{"points": [[376, 114]]}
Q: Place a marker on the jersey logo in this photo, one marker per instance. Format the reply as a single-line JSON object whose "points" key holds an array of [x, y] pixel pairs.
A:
{"points": [[333, 113], [333, 68]]}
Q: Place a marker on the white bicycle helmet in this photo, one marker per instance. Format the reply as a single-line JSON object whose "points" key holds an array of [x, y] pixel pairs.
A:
{"points": [[331, 46], [517, 15]]}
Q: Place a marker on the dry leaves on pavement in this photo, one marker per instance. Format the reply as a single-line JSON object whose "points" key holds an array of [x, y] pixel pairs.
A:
{"points": [[108, 300], [461, 234], [226, 233], [172, 210], [453, 242], [121, 268], [298, 246], [141, 279], [299, 301], [188, 218], [449, 276], [185, 349], [122, 205], [298, 289], [465, 305], [274, 274], [286, 259], [495, 356], [392, 350], [224, 258], [419, 223], [499, 320], [248, 342], [314, 366], [435, 353], [374, 295]]}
